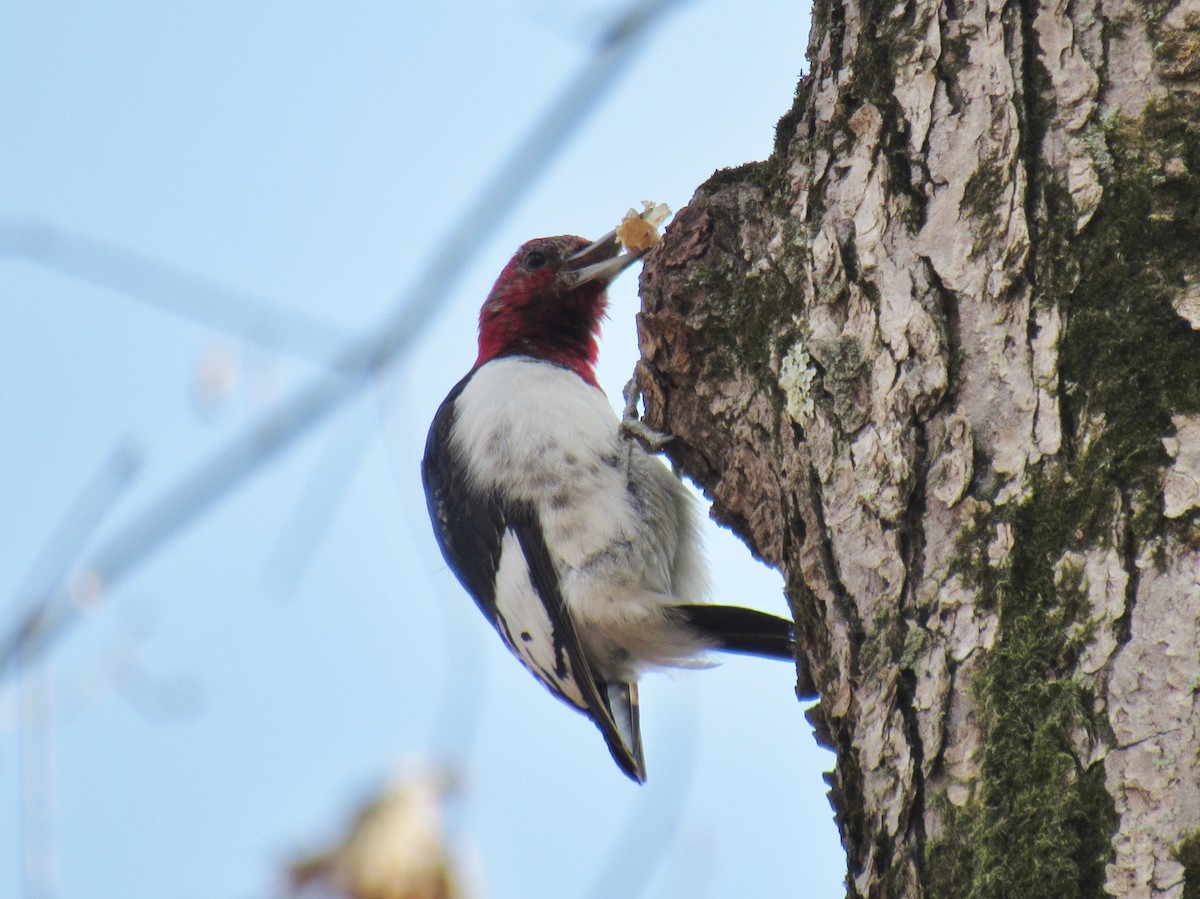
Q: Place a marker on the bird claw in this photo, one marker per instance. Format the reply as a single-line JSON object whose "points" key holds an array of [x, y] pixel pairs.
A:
{"points": [[632, 425]]}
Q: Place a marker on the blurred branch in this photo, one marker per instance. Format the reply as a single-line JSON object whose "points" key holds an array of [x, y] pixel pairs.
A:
{"points": [[646, 839], [464, 687], [331, 475], [465, 681], [36, 767], [199, 490], [34, 691], [171, 290], [118, 671], [45, 585]]}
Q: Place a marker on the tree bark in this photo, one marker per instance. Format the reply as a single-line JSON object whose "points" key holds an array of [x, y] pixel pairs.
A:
{"points": [[936, 360]]}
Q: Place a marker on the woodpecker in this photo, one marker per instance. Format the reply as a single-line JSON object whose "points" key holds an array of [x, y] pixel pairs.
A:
{"points": [[580, 547]]}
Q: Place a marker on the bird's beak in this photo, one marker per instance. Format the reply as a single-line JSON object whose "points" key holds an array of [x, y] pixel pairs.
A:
{"points": [[600, 261]]}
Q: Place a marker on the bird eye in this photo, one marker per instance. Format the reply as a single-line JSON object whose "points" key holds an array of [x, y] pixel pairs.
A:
{"points": [[534, 259]]}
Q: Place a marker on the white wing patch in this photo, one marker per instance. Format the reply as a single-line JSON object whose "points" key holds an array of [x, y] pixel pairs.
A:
{"points": [[526, 626]]}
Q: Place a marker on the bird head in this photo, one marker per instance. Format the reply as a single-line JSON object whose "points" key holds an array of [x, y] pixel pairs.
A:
{"points": [[549, 301]]}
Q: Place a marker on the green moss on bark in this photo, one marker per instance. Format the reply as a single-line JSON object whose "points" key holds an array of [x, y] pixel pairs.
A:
{"points": [[893, 36], [1187, 853], [1040, 823], [981, 197], [1126, 354]]}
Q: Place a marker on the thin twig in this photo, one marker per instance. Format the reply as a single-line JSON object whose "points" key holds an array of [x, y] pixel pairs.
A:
{"points": [[465, 682], [117, 672], [331, 475], [169, 289], [199, 490], [646, 839], [96, 499], [36, 765], [44, 585]]}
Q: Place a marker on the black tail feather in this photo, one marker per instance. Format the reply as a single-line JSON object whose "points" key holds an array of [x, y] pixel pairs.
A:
{"points": [[734, 629]]}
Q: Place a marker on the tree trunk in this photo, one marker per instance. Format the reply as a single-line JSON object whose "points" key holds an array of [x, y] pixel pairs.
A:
{"points": [[937, 361]]}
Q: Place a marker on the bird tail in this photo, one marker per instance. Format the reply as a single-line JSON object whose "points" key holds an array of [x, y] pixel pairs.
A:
{"points": [[621, 700], [734, 629]]}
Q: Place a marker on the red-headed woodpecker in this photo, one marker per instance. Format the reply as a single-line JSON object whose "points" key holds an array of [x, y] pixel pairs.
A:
{"points": [[579, 546]]}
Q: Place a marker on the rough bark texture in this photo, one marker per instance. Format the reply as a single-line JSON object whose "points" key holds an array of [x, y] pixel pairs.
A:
{"points": [[937, 361]]}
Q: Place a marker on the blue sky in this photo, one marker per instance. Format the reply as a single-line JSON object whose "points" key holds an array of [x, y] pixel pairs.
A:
{"points": [[227, 706]]}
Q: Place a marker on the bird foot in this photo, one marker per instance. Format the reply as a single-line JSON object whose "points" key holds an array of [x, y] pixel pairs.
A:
{"points": [[632, 425]]}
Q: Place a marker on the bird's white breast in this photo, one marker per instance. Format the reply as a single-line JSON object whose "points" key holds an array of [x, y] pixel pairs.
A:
{"points": [[619, 526], [537, 432]]}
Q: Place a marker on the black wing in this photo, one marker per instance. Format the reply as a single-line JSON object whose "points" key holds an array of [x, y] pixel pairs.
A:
{"points": [[498, 552], [468, 527]]}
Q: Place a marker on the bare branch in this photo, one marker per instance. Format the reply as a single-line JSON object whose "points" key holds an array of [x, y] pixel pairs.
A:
{"points": [[646, 839], [169, 289], [34, 691], [44, 585], [331, 475], [36, 765]]}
